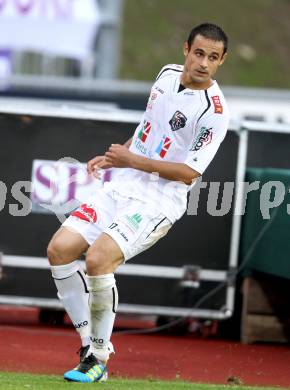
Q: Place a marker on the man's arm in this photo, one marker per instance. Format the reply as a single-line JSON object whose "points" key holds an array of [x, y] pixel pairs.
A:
{"points": [[128, 143], [211, 131], [120, 157]]}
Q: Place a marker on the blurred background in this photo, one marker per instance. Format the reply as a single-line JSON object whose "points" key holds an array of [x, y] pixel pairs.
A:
{"points": [[134, 40], [75, 76], [258, 31]]}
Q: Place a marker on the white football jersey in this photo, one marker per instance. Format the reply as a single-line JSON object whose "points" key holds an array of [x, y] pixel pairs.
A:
{"points": [[179, 125]]}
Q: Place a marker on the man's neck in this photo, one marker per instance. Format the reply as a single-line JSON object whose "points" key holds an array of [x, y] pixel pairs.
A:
{"points": [[194, 85]]}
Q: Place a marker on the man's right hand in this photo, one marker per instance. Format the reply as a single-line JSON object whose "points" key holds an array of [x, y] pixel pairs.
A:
{"points": [[100, 162], [96, 163]]}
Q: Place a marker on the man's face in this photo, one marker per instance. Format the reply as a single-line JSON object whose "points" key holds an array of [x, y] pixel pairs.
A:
{"points": [[202, 61]]}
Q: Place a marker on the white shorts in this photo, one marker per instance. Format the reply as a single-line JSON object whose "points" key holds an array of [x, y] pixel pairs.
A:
{"points": [[134, 225]]}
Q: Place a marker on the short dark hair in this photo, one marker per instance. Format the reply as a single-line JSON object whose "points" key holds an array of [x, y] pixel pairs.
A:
{"points": [[209, 31]]}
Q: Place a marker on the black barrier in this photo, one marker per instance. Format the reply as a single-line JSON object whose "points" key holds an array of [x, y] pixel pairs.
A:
{"points": [[200, 239], [268, 150]]}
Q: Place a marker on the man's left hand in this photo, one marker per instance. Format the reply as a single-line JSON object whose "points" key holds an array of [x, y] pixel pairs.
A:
{"points": [[119, 156]]}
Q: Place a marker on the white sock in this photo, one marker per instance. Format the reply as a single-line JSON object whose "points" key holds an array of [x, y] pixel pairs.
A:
{"points": [[103, 305], [72, 290]]}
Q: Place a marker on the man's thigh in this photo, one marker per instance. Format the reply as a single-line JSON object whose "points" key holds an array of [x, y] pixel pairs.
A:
{"points": [[66, 246], [137, 227], [92, 217]]}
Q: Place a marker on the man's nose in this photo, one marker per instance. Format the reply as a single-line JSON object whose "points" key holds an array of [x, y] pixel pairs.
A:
{"points": [[204, 62]]}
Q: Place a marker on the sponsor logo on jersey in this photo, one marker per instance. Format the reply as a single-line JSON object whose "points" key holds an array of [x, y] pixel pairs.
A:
{"points": [[133, 221], [189, 93], [218, 108], [204, 138], [139, 145], [177, 121], [122, 235], [115, 226], [85, 213], [142, 148], [159, 89], [145, 130], [151, 102], [163, 146]]}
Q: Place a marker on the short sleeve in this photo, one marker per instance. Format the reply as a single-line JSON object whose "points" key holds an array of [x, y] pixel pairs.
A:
{"points": [[209, 134], [167, 69]]}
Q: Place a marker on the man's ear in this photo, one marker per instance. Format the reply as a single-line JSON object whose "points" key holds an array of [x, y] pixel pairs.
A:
{"points": [[185, 48], [223, 59]]}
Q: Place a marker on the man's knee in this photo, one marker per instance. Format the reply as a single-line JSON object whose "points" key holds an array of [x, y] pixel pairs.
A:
{"points": [[104, 256], [100, 260], [96, 260], [56, 252], [65, 247]]}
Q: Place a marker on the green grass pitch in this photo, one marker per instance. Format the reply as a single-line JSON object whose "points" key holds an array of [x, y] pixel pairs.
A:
{"points": [[21, 381]]}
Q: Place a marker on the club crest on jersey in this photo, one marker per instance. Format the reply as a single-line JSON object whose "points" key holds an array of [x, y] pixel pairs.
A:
{"points": [[204, 138], [85, 213], [178, 121], [163, 146], [145, 130], [218, 108]]}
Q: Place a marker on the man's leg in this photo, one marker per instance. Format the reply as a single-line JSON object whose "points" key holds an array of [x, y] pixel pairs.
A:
{"points": [[103, 257], [135, 228], [64, 249]]}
